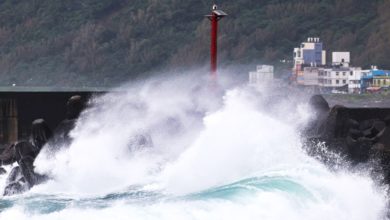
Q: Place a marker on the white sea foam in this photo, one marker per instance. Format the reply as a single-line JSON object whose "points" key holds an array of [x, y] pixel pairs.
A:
{"points": [[339, 197], [200, 141]]}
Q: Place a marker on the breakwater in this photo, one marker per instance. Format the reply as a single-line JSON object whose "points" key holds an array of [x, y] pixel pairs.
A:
{"points": [[360, 134]]}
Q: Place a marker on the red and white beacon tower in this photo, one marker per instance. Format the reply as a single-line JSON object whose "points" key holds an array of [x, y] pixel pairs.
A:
{"points": [[215, 16]]}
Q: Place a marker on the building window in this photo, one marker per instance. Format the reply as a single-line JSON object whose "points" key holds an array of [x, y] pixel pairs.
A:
{"points": [[337, 73], [344, 81], [337, 81], [351, 73], [343, 73]]}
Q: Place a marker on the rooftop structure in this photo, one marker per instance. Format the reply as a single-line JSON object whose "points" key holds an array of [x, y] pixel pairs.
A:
{"points": [[310, 53], [341, 59]]}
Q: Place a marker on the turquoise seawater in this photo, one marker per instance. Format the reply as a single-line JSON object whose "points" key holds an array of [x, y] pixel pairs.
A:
{"points": [[45, 204]]}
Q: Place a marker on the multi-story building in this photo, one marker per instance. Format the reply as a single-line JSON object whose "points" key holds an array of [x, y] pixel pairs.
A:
{"points": [[338, 77], [355, 81], [381, 81], [310, 76], [346, 79], [310, 53], [264, 74], [375, 80], [310, 69]]}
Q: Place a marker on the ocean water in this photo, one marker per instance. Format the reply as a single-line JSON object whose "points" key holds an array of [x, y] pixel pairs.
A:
{"points": [[174, 149]]}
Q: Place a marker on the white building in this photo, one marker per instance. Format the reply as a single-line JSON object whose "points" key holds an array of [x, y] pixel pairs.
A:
{"points": [[264, 74], [344, 78], [310, 76], [310, 53], [339, 77], [341, 59]]}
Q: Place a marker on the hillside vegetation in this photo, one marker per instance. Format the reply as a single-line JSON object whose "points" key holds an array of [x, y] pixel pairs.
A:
{"points": [[103, 42]]}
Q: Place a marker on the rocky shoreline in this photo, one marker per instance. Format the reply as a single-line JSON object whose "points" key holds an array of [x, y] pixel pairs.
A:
{"points": [[23, 153]]}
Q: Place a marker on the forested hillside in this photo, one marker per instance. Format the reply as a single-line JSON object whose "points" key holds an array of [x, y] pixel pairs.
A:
{"points": [[103, 42]]}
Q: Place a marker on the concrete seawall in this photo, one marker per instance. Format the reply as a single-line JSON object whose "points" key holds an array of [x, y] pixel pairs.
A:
{"points": [[19, 108], [361, 135]]}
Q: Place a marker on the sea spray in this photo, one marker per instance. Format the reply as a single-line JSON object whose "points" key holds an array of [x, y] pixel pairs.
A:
{"points": [[237, 142], [212, 157], [100, 159]]}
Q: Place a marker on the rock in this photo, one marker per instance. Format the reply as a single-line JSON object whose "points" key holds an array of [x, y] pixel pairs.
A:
{"points": [[14, 176], [40, 134], [317, 128], [367, 133], [353, 123], [27, 169], [2, 171], [319, 104], [384, 138], [377, 150], [380, 153], [355, 133], [23, 177], [339, 145], [387, 120], [359, 151], [14, 188], [378, 127], [61, 137], [361, 135], [15, 183], [366, 124], [74, 106], [24, 149], [335, 125], [8, 155]]}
